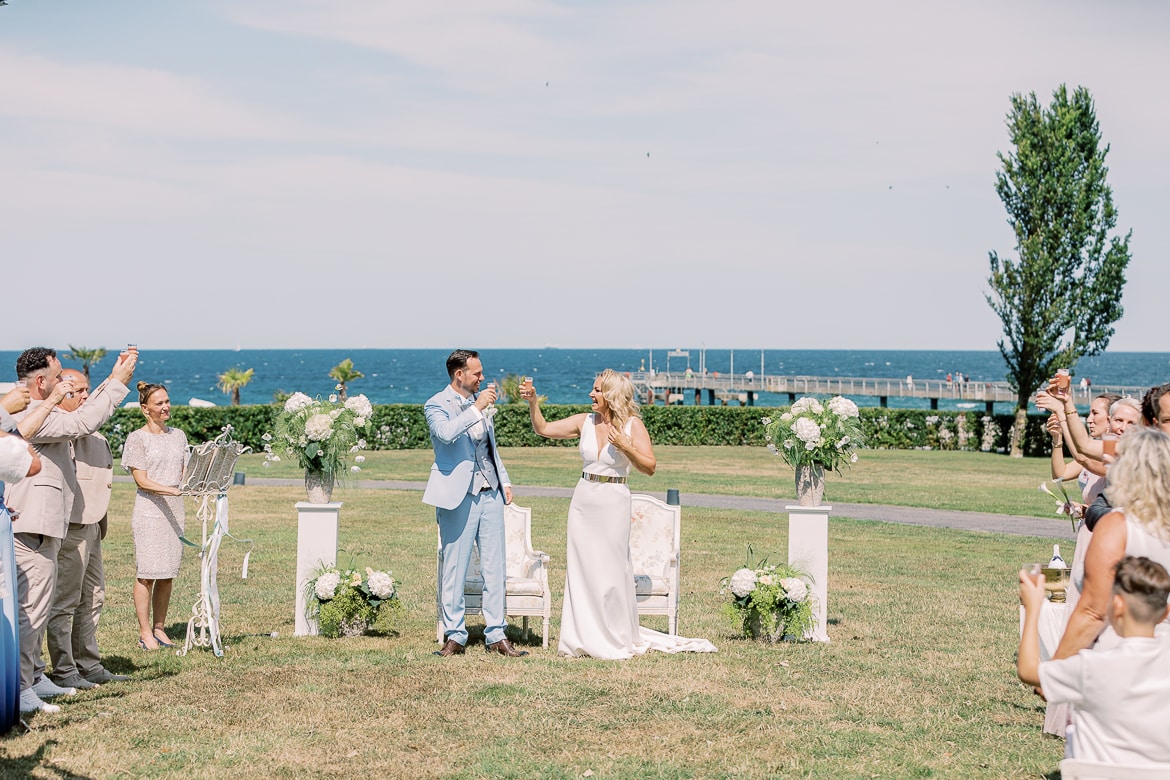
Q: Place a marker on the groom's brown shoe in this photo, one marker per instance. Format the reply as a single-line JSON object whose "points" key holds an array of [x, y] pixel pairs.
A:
{"points": [[451, 648], [504, 647]]}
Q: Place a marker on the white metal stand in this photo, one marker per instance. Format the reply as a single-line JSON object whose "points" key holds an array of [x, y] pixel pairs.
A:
{"points": [[316, 547], [203, 627], [808, 550]]}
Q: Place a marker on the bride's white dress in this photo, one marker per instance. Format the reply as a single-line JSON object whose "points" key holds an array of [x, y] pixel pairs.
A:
{"points": [[600, 614]]}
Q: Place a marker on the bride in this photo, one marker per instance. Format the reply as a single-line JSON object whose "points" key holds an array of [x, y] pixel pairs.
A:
{"points": [[600, 613]]}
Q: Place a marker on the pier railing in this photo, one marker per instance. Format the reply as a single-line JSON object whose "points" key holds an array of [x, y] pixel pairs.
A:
{"points": [[746, 386]]}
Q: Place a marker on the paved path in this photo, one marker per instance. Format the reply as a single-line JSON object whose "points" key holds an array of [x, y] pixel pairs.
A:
{"points": [[1054, 527]]}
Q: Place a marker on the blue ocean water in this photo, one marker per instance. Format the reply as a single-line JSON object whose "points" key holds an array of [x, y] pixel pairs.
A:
{"points": [[565, 375]]}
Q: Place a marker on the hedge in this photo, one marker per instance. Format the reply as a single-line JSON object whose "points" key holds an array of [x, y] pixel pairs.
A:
{"points": [[403, 427]]}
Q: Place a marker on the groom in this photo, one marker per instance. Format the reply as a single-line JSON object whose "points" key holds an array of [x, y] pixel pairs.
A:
{"points": [[465, 488]]}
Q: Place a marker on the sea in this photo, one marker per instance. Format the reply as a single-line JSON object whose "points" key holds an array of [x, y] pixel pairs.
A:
{"points": [[411, 376]]}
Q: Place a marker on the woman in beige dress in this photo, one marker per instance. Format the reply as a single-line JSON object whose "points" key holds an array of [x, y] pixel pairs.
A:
{"points": [[155, 455]]}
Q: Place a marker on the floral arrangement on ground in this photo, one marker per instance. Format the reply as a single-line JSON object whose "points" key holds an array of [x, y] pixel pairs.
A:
{"points": [[770, 602], [349, 602], [814, 433], [320, 433]]}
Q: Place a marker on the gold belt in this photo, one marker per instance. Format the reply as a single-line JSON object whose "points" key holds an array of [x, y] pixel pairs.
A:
{"points": [[602, 478]]}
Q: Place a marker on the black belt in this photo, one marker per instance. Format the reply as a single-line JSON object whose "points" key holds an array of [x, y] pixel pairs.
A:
{"points": [[602, 478]]}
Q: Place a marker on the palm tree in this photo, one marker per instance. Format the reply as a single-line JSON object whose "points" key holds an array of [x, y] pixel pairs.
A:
{"points": [[343, 373], [232, 380], [87, 357]]}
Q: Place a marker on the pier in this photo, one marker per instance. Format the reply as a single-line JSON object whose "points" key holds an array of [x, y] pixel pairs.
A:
{"points": [[674, 387]]}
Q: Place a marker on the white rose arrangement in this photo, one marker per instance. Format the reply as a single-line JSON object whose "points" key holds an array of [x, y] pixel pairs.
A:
{"points": [[812, 433], [320, 434]]}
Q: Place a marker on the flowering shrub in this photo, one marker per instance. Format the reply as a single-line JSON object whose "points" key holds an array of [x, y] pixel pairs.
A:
{"points": [[814, 433], [348, 603], [769, 602], [319, 434]]}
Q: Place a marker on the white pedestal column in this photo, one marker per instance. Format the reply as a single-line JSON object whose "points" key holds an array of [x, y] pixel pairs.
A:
{"points": [[316, 547], [808, 550]]}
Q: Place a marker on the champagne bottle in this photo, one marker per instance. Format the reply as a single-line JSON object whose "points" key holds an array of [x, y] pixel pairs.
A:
{"points": [[1057, 562]]}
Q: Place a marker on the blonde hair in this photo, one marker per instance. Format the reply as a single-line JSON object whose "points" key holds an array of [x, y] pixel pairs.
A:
{"points": [[1139, 481], [618, 392]]}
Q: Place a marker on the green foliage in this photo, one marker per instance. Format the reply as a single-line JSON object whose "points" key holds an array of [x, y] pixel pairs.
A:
{"points": [[510, 391], [769, 601], [344, 373], [87, 357], [403, 427], [1059, 300], [232, 380]]}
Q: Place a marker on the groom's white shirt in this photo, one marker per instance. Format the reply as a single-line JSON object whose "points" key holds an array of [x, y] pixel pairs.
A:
{"points": [[451, 417]]}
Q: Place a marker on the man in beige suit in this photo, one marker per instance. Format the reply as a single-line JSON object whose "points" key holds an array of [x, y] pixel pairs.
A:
{"points": [[81, 587], [45, 502]]}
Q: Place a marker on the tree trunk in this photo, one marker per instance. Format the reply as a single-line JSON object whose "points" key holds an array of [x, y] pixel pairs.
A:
{"points": [[235, 396], [341, 394], [1018, 429]]}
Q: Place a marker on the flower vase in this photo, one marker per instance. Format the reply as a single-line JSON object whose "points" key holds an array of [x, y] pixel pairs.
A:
{"points": [[810, 484], [355, 626], [757, 630], [319, 486]]}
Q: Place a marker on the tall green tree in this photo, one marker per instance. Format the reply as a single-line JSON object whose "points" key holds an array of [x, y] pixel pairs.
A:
{"points": [[343, 373], [232, 380], [1059, 299], [87, 357]]}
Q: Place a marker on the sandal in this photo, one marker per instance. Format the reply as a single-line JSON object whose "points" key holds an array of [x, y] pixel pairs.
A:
{"points": [[162, 642], [142, 646]]}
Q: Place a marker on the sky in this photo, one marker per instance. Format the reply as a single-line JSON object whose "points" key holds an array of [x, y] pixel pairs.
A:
{"points": [[523, 173]]}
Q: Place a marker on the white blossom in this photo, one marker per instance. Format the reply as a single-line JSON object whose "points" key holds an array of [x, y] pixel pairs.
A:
{"points": [[319, 427], [359, 405], [843, 407], [333, 398], [807, 404], [355, 469], [808, 432], [296, 402], [786, 417], [360, 459], [765, 579], [360, 422], [743, 582], [327, 585], [795, 588], [381, 584], [266, 437]]}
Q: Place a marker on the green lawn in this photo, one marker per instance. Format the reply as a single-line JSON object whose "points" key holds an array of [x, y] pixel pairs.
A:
{"points": [[972, 481], [918, 680]]}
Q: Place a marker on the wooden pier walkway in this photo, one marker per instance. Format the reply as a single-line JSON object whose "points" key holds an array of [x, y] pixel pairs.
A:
{"points": [[667, 387]]}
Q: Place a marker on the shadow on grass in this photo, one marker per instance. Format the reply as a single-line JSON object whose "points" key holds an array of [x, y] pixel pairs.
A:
{"points": [[23, 766]]}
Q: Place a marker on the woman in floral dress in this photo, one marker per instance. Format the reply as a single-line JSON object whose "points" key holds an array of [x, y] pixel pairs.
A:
{"points": [[155, 455]]}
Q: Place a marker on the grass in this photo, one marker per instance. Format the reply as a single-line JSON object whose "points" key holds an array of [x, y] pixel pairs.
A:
{"points": [[972, 481], [918, 680]]}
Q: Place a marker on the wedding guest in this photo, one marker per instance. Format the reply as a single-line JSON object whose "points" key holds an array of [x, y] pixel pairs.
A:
{"points": [[468, 487], [45, 504], [1120, 695], [1139, 481], [18, 460], [80, 592], [600, 610], [155, 455], [1156, 407]]}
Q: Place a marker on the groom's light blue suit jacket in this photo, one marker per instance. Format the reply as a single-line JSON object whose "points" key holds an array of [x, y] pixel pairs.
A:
{"points": [[454, 466]]}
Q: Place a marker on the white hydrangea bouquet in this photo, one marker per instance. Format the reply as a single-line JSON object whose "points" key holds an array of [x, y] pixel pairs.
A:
{"points": [[320, 434], [815, 433], [348, 602], [770, 602]]}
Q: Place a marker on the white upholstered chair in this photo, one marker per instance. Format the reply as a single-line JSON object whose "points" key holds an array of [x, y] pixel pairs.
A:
{"points": [[1076, 769], [655, 534], [526, 589]]}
